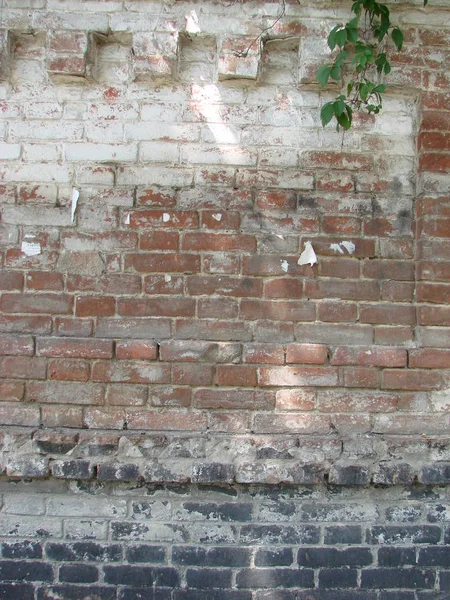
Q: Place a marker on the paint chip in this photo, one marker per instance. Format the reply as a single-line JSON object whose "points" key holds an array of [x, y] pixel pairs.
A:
{"points": [[308, 256], [349, 246], [337, 248], [75, 196], [31, 248], [166, 217], [167, 278], [126, 221], [217, 216], [285, 265], [192, 25]]}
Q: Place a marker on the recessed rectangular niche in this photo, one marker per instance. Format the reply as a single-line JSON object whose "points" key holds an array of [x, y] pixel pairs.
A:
{"points": [[110, 58], [26, 51], [197, 55], [280, 61]]}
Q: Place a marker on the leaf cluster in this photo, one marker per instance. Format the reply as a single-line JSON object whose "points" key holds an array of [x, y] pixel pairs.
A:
{"points": [[359, 48]]}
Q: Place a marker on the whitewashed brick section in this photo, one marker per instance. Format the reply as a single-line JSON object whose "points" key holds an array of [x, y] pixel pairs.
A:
{"points": [[100, 152]]}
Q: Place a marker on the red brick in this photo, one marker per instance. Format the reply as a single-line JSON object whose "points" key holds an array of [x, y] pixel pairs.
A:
{"points": [[346, 290], [387, 313], [97, 418], [341, 225], [126, 395], [163, 263], [232, 399], [55, 416], [11, 391], [433, 315], [229, 422], [73, 327], [130, 372], [434, 37], [221, 262], [19, 415], [136, 349], [272, 265], [68, 41], [283, 288], [157, 197], [107, 284], [36, 325], [364, 248], [434, 162], [434, 141], [434, 271], [224, 286], [236, 375], [163, 284], [356, 402], [292, 423], [298, 376], [159, 240], [312, 354], [218, 242], [227, 220], [335, 182], [199, 351], [337, 160], [217, 308], [429, 358], [275, 199], [435, 293], [369, 356], [36, 303], [277, 311], [397, 291], [41, 280], [93, 306], [388, 269], [157, 307], [62, 392], [401, 424], [394, 379], [69, 369], [71, 65], [170, 397], [16, 345], [435, 120], [360, 377], [299, 400], [9, 280], [270, 354], [192, 374], [168, 420], [337, 312], [393, 335], [74, 348], [160, 218], [23, 367], [344, 268]]}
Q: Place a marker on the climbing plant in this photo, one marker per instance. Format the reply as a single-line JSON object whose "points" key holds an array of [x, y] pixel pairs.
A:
{"points": [[361, 55]]}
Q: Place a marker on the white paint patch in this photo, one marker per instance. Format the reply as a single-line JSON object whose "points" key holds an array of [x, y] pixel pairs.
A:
{"points": [[285, 265], [279, 236], [308, 256], [337, 248], [217, 216], [192, 25], [166, 217], [126, 221], [345, 245], [349, 246], [167, 278], [31, 248], [75, 196]]}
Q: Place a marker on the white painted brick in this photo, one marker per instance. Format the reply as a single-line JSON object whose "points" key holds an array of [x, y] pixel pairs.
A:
{"points": [[9, 151], [80, 21], [155, 131], [86, 507], [216, 133], [75, 111], [176, 177], [39, 130], [41, 152], [224, 155], [161, 113], [98, 175], [100, 152], [30, 527], [42, 110], [82, 529], [104, 131], [119, 112], [36, 216], [278, 157], [39, 172], [23, 504], [159, 152]]}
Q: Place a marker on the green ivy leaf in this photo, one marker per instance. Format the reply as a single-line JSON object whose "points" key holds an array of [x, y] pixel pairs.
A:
{"points": [[335, 72], [425, 2], [398, 38], [323, 75], [327, 113], [339, 107], [341, 37], [331, 41], [344, 121]]}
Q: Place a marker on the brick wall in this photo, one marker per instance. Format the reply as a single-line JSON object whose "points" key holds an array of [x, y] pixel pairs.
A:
{"points": [[157, 329]]}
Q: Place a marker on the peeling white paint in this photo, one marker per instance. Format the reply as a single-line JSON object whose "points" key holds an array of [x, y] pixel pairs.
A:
{"points": [[192, 25], [126, 221], [217, 216], [285, 265], [167, 278], [75, 196], [166, 217], [339, 248], [31, 248], [308, 256]]}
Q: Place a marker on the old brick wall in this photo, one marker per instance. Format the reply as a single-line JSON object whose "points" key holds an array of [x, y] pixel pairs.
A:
{"points": [[158, 337]]}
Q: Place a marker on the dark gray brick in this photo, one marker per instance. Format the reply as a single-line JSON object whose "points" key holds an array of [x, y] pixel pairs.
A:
{"points": [[397, 578], [16, 591], [211, 557], [274, 557], [408, 534], [343, 534], [208, 578], [144, 553], [338, 578], [74, 592], [396, 557], [23, 549], [332, 557], [84, 551], [14, 570], [273, 578], [141, 576], [78, 574]]}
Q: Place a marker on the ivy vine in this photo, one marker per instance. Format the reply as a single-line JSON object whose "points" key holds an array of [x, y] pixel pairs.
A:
{"points": [[361, 46]]}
